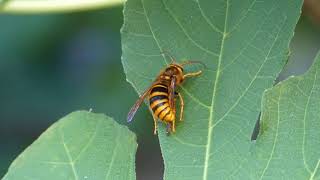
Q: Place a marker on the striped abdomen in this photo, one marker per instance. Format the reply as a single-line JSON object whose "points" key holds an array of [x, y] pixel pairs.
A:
{"points": [[159, 102]]}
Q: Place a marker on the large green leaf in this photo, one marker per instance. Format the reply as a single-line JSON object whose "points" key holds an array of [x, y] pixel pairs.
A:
{"points": [[243, 43], [82, 145], [290, 139]]}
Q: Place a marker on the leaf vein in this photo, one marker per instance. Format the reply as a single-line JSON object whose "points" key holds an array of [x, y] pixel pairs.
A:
{"points": [[304, 124], [243, 17], [186, 143], [186, 33], [71, 162], [151, 29], [208, 145], [137, 34], [214, 28], [276, 136], [114, 153], [141, 54], [315, 170], [251, 82], [194, 98], [89, 142]]}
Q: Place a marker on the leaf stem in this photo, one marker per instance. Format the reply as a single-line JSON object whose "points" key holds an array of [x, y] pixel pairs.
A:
{"points": [[53, 6]]}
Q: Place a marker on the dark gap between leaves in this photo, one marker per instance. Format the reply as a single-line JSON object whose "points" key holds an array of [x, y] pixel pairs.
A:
{"points": [[149, 162]]}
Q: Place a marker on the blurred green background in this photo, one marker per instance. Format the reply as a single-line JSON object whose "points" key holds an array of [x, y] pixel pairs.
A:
{"points": [[51, 65]]}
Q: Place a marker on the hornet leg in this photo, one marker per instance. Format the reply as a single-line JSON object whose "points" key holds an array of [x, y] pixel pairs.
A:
{"points": [[181, 107], [174, 126], [192, 74], [155, 124]]}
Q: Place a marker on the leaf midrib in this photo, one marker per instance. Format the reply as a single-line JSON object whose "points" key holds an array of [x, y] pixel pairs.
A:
{"points": [[211, 115]]}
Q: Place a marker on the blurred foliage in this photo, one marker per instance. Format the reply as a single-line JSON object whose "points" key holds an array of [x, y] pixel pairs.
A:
{"points": [[52, 65]]}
